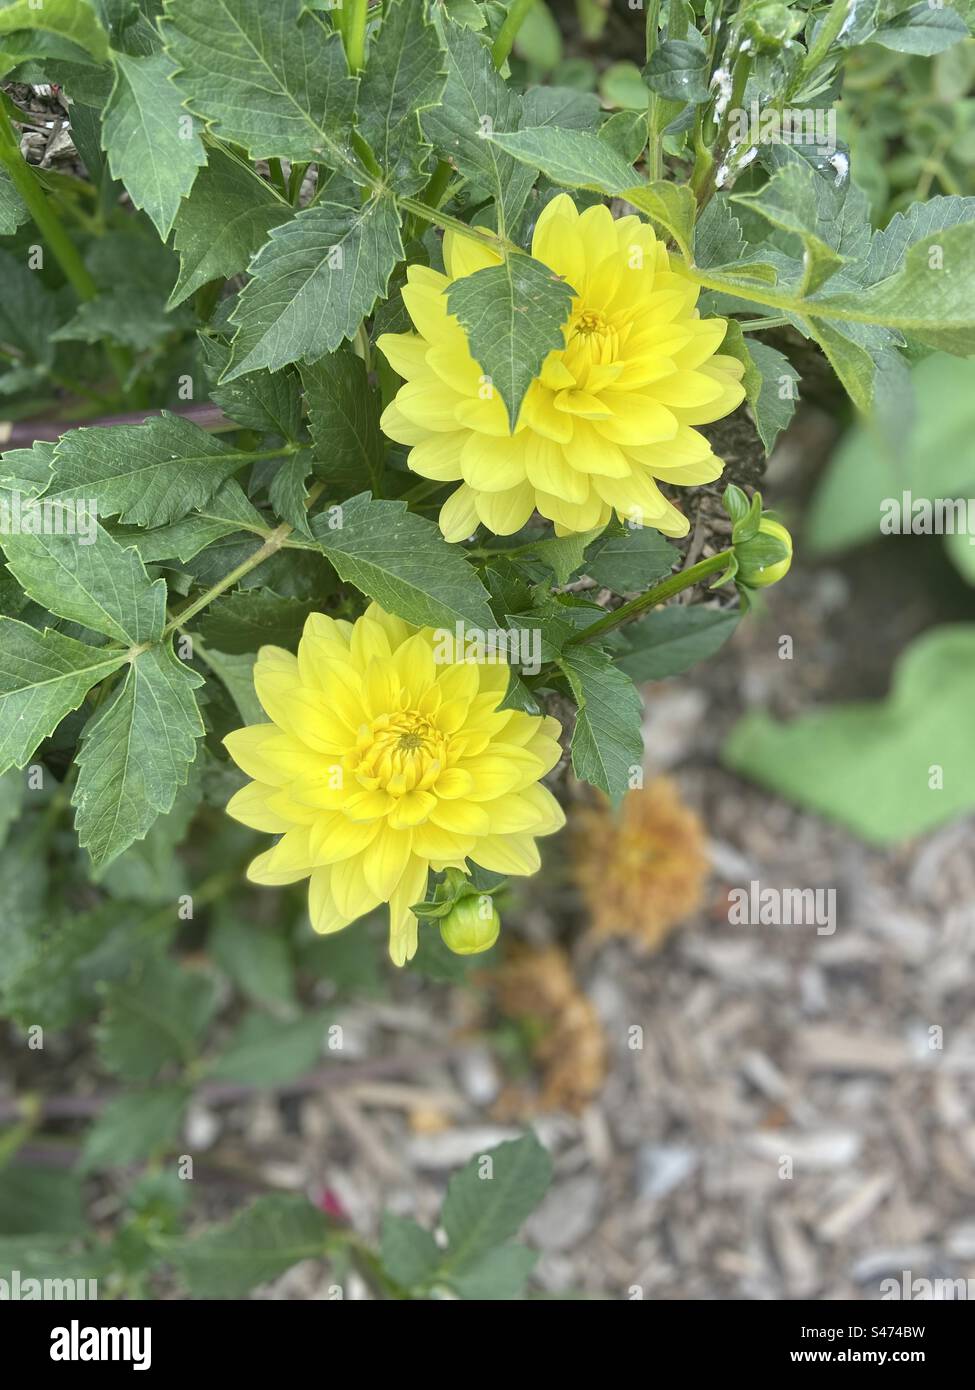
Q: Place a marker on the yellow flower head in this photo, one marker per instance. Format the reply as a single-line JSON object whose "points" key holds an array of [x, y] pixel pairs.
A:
{"points": [[611, 411], [383, 761]]}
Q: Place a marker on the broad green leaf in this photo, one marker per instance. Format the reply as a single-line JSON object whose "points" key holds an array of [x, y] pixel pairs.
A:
{"points": [[607, 742], [27, 471], [275, 81], [248, 619], [404, 75], [402, 561], [136, 753], [287, 492], [228, 512], [155, 1020], [627, 132], [152, 143], [134, 1127], [269, 402], [789, 202], [148, 474], [315, 280], [223, 222], [575, 158], [150, 871], [256, 958], [409, 1253], [925, 28], [560, 106], [487, 1201], [869, 765], [343, 416], [774, 403], [258, 1244], [13, 211], [266, 1051], [499, 1275], [475, 101], [69, 19], [43, 676], [102, 586], [678, 71], [631, 560], [889, 246], [564, 555], [669, 641], [672, 205], [513, 315]]}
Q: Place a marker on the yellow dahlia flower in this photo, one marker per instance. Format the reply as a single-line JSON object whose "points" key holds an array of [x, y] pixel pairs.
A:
{"points": [[611, 411], [381, 763]]}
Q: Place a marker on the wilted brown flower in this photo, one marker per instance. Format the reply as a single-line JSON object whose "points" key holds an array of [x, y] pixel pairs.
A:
{"points": [[537, 988], [640, 870]]}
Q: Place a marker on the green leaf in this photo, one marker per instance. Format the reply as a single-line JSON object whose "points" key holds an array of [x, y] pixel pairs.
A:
{"points": [[152, 143], [774, 403], [261, 1242], [227, 512], [148, 474], [631, 560], [269, 402], [889, 246], [315, 280], [513, 315], [924, 29], [136, 753], [277, 84], [27, 309], [487, 1203], [672, 205], [607, 742], [246, 620], [102, 586], [669, 641], [574, 158], [13, 210], [256, 958], [499, 1274], [155, 1020], [36, 1200], [405, 75], [476, 100], [69, 19], [150, 870], [564, 555], [223, 223], [793, 201], [288, 494], [43, 677], [270, 1051], [410, 1255], [134, 1127], [678, 71], [402, 561], [237, 674], [343, 417], [869, 765]]}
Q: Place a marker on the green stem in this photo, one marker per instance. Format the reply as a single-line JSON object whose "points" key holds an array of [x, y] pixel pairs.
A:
{"points": [[48, 223], [655, 146], [666, 589], [753, 325], [295, 180], [829, 32], [353, 25], [444, 220], [276, 171], [505, 42], [739, 80]]}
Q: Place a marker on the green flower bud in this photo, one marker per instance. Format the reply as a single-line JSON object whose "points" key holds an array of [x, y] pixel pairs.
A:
{"points": [[770, 25], [761, 560], [471, 926]]}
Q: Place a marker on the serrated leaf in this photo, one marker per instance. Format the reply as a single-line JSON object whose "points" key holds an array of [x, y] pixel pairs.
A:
{"points": [[151, 141], [678, 70], [889, 246], [135, 754], [261, 1242], [485, 1206], [564, 554], [266, 1051], [43, 677], [774, 404], [671, 640], [607, 742], [631, 560], [402, 561], [315, 280], [672, 205], [410, 1255], [513, 315], [227, 512], [223, 223], [102, 586], [13, 210], [405, 75], [269, 402], [154, 1020], [275, 82], [925, 29], [70, 19], [246, 620], [134, 1127], [574, 158], [147, 475], [343, 417], [287, 492]]}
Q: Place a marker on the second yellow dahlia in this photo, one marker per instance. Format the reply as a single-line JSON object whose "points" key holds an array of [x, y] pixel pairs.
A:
{"points": [[610, 412], [381, 762]]}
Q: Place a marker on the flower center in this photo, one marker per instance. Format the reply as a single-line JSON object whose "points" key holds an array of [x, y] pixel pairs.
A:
{"points": [[589, 322], [593, 340], [398, 753]]}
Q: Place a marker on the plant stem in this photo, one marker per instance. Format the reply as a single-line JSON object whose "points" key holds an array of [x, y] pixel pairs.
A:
{"points": [[353, 25], [829, 32], [276, 172], [753, 325], [446, 221], [666, 589], [654, 147], [47, 222], [513, 20]]}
